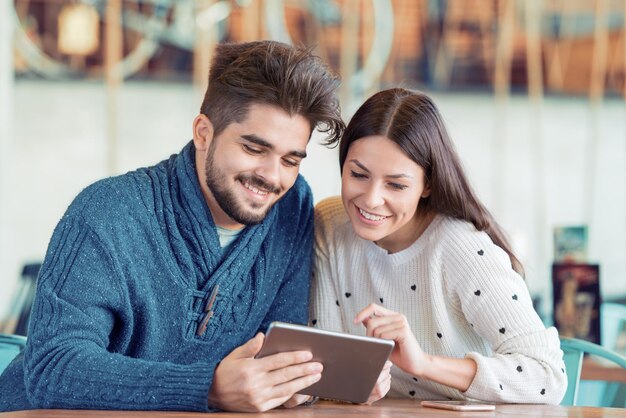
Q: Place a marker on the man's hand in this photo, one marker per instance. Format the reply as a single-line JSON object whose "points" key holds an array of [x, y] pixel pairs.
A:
{"points": [[243, 383], [383, 384]]}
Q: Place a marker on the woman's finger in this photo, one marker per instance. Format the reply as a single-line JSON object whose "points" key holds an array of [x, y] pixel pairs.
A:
{"points": [[380, 321], [394, 331], [296, 400], [370, 311], [375, 324], [380, 390]]}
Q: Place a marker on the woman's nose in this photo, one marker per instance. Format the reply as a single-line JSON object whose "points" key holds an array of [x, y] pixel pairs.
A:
{"points": [[374, 197]]}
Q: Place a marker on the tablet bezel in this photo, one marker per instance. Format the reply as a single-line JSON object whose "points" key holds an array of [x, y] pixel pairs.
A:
{"points": [[352, 363]]}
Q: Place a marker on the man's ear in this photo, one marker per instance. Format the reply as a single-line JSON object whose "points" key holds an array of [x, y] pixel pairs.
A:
{"points": [[202, 132]]}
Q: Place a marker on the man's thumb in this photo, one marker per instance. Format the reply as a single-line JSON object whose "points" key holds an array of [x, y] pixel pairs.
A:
{"points": [[250, 348]]}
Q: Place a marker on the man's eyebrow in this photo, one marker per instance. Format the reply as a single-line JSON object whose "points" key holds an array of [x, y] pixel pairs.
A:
{"points": [[255, 139], [391, 176]]}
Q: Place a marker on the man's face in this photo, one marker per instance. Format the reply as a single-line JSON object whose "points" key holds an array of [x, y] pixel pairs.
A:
{"points": [[252, 164]]}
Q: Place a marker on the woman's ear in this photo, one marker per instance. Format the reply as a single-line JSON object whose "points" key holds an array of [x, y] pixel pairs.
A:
{"points": [[202, 132], [426, 191]]}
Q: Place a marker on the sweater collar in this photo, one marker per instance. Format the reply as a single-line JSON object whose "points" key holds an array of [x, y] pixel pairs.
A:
{"points": [[191, 192], [408, 253]]}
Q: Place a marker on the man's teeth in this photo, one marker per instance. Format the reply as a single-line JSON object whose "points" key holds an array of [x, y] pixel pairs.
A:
{"points": [[370, 216], [254, 189]]}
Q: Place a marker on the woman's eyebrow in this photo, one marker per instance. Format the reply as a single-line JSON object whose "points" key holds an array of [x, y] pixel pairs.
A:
{"points": [[391, 176], [399, 176], [361, 166]]}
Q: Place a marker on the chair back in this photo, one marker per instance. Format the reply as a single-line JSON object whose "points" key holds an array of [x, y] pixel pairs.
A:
{"points": [[612, 327], [613, 317], [573, 351], [10, 346], [19, 311]]}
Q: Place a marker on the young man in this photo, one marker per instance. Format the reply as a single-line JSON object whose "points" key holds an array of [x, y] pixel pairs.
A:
{"points": [[157, 284]]}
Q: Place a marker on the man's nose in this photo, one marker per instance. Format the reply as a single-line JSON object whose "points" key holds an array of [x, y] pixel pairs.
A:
{"points": [[269, 171]]}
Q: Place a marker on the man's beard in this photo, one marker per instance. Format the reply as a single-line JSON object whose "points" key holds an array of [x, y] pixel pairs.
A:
{"points": [[227, 198]]}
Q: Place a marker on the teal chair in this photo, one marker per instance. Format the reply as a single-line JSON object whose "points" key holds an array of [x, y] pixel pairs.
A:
{"points": [[10, 346], [598, 393], [613, 317], [573, 352]]}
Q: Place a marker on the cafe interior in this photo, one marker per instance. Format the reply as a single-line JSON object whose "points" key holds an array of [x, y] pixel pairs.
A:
{"points": [[533, 93]]}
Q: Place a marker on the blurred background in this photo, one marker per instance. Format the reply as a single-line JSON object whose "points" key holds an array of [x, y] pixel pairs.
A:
{"points": [[533, 93]]}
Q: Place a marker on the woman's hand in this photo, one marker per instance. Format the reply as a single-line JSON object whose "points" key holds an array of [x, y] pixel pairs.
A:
{"points": [[383, 384], [296, 400], [389, 325]]}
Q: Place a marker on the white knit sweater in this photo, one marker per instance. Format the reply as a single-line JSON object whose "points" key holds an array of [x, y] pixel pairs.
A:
{"points": [[460, 296]]}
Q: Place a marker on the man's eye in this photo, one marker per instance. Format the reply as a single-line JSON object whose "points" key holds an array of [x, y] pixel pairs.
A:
{"points": [[292, 163], [357, 175], [252, 150]]}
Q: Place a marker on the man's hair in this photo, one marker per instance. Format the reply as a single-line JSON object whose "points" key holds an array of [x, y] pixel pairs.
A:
{"points": [[276, 74]]}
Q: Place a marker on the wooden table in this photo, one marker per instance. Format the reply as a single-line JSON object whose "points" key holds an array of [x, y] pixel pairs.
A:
{"points": [[387, 408]]}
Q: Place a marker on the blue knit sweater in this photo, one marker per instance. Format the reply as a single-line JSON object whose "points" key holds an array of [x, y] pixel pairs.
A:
{"points": [[123, 287]]}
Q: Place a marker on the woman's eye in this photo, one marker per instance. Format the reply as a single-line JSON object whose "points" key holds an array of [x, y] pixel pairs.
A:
{"points": [[357, 175], [398, 186]]}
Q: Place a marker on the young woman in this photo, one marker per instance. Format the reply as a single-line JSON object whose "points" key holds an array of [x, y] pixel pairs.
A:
{"points": [[409, 253]]}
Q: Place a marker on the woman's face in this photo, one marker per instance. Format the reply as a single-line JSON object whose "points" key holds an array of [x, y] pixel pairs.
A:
{"points": [[381, 188]]}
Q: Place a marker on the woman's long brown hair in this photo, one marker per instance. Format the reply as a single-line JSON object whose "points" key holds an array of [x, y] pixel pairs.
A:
{"points": [[411, 120]]}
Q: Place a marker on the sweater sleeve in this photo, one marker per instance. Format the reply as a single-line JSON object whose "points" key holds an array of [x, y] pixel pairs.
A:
{"points": [[325, 312], [78, 307], [526, 365]]}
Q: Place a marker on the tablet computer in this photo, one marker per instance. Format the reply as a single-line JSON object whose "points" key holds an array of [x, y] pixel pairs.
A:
{"points": [[352, 363]]}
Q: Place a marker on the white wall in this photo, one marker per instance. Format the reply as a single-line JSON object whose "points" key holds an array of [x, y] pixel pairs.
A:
{"points": [[8, 262]]}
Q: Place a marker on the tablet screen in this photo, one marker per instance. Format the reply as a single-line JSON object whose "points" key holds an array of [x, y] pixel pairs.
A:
{"points": [[351, 363]]}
